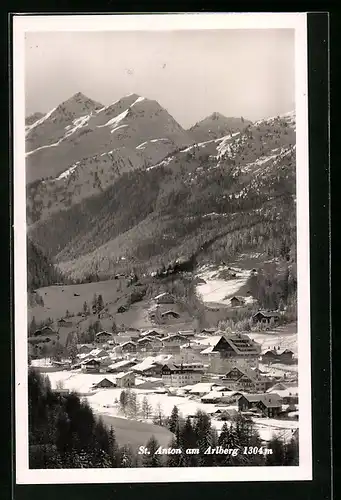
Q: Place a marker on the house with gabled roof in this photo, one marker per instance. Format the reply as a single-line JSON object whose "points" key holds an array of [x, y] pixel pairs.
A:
{"points": [[232, 349], [128, 346], [119, 366], [237, 301], [269, 404], [266, 316], [151, 333], [278, 355], [288, 392], [91, 366], [246, 379], [103, 336]]}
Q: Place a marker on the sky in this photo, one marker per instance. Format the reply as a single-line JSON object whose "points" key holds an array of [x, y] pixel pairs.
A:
{"points": [[192, 74]]}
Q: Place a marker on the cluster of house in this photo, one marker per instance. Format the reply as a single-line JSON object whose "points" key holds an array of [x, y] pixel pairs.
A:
{"points": [[278, 402], [278, 355]]}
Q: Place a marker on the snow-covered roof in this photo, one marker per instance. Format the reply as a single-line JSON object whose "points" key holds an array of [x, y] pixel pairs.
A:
{"points": [[121, 364], [128, 342], [123, 374], [95, 353], [253, 374], [202, 387], [289, 391], [103, 333], [146, 364], [208, 350], [217, 395], [268, 314], [268, 400], [151, 361], [150, 332]]}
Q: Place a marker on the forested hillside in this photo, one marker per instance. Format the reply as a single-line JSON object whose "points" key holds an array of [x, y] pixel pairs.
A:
{"points": [[40, 269], [213, 206]]}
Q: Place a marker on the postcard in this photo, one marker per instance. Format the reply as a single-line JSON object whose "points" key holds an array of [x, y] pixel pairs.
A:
{"points": [[161, 248]]}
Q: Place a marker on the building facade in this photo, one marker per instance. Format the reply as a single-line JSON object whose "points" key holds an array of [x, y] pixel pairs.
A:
{"points": [[247, 380], [232, 350], [180, 375]]}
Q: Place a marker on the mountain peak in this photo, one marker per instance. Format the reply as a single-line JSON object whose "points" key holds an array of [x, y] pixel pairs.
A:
{"points": [[80, 99], [215, 126], [216, 116]]}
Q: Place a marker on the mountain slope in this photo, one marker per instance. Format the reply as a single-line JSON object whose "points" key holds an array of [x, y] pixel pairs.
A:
{"points": [[81, 132], [40, 269], [215, 126], [210, 200], [29, 120]]}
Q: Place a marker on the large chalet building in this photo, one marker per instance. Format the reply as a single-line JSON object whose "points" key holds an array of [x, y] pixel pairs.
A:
{"points": [[230, 350]]}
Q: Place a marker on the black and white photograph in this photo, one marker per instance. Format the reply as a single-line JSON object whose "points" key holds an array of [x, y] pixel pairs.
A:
{"points": [[161, 222]]}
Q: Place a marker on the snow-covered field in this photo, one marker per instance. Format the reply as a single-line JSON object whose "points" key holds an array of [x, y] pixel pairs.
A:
{"points": [[217, 290], [277, 338], [104, 401]]}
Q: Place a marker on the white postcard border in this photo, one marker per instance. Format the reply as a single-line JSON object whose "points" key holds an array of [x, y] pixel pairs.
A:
{"points": [[22, 24]]}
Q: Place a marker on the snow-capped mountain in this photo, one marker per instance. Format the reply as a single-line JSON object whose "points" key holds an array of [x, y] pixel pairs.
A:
{"points": [[103, 207], [215, 126], [83, 132]]}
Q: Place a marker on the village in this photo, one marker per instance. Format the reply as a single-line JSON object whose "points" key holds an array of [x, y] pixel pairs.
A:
{"points": [[222, 373]]}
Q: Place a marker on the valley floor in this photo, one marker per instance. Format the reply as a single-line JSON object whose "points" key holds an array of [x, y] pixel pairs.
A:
{"points": [[137, 431]]}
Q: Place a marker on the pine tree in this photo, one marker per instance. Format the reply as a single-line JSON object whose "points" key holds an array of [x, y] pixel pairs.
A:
{"points": [[202, 430], [189, 441], [291, 455], [86, 309], [278, 452], [146, 408], [113, 449], [99, 304], [63, 434], [123, 401], [101, 438], [94, 304], [133, 404], [174, 420], [126, 456], [150, 459], [176, 459]]}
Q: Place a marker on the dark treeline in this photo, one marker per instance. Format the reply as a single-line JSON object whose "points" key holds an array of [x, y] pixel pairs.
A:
{"points": [[41, 271], [275, 289], [64, 433]]}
